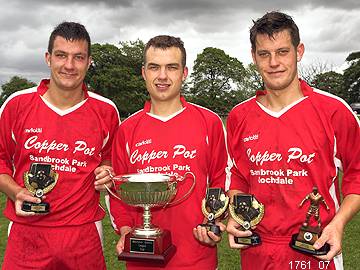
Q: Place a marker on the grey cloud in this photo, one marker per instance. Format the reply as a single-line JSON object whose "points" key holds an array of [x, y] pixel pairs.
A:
{"points": [[192, 7], [339, 35], [62, 3], [26, 25]]}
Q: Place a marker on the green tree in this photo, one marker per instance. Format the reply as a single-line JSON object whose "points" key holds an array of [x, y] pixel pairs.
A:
{"points": [[352, 78], [251, 82], [331, 82], [15, 83], [215, 80], [309, 72], [116, 74]]}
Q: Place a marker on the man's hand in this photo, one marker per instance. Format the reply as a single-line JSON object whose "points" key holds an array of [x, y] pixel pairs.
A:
{"points": [[120, 245], [24, 195], [102, 177], [233, 229], [207, 237], [332, 234]]}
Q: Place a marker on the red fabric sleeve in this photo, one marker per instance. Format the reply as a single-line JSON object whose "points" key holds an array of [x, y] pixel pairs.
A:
{"points": [[119, 210], [236, 178], [113, 122], [7, 144], [218, 155], [346, 128]]}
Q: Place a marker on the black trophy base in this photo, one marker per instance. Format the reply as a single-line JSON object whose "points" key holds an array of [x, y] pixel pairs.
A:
{"points": [[306, 247], [156, 250], [41, 208], [252, 240], [212, 228]]}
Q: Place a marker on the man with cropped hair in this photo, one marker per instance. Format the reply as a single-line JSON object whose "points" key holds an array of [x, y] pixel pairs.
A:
{"points": [[301, 137], [181, 137], [56, 139]]}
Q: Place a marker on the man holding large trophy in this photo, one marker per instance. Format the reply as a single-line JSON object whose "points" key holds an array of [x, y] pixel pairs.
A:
{"points": [[157, 152], [53, 138]]}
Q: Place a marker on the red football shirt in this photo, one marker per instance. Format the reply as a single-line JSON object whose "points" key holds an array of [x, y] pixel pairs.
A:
{"points": [[75, 141]]}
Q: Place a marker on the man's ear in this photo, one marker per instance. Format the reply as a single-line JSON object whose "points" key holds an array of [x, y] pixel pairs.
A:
{"points": [[143, 72], [90, 62], [300, 51], [185, 73], [47, 58]]}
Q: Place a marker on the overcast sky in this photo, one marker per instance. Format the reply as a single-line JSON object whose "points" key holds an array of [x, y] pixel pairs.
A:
{"points": [[328, 28]]}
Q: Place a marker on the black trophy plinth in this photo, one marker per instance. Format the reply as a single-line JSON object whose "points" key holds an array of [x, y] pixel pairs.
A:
{"points": [[252, 240], [212, 227], [40, 208], [305, 239]]}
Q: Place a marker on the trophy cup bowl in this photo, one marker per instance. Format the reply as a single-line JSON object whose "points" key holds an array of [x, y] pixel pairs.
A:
{"points": [[148, 242]]}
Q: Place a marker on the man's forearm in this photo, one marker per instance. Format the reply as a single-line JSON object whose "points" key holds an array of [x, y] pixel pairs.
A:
{"points": [[9, 186], [349, 207]]}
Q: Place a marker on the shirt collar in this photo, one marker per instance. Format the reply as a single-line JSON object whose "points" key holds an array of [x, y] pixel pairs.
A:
{"points": [[44, 86], [147, 105], [305, 88]]}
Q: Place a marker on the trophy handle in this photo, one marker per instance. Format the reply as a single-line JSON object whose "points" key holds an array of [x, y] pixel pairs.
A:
{"points": [[180, 179], [113, 178]]}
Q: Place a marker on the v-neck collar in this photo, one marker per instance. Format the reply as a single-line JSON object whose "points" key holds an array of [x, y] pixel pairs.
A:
{"points": [[43, 87], [147, 108], [282, 111], [306, 90]]}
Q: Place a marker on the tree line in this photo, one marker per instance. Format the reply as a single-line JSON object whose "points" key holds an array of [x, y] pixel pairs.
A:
{"points": [[218, 81]]}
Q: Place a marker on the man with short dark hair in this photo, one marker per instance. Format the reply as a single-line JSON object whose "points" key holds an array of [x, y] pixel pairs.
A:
{"points": [[171, 136], [283, 142], [59, 124]]}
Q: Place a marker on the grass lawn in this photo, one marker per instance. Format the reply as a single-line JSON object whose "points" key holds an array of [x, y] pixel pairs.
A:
{"points": [[228, 258]]}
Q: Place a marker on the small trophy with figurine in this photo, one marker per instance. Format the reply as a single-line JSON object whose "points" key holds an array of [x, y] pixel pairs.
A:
{"points": [[248, 212], [39, 180], [214, 206], [307, 236]]}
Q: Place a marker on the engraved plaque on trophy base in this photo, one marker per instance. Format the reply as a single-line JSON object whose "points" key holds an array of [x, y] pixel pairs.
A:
{"points": [[252, 240], [42, 207], [155, 249], [305, 239]]}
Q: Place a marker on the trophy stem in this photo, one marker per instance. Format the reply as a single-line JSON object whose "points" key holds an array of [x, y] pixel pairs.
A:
{"points": [[147, 217], [147, 230]]}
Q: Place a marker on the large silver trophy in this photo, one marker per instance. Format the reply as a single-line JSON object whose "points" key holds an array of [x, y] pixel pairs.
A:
{"points": [[149, 242]]}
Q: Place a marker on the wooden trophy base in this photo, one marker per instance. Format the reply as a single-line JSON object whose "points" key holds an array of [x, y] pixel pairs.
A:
{"points": [[305, 239], [154, 249], [252, 240]]}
